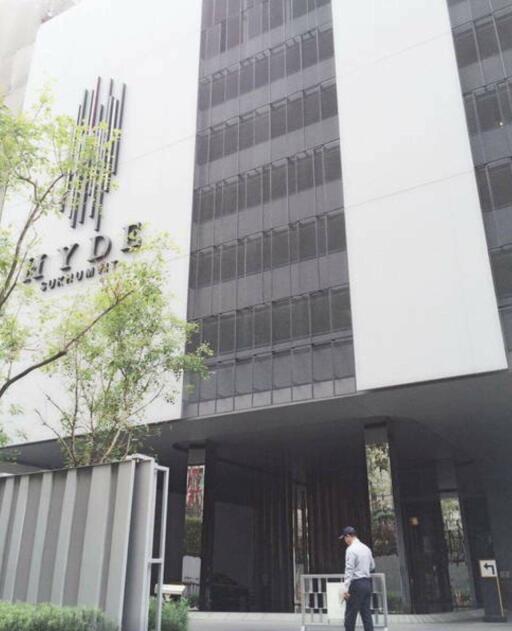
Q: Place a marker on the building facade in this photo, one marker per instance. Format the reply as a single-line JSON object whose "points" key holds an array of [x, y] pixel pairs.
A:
{"points": [[337, 174]]}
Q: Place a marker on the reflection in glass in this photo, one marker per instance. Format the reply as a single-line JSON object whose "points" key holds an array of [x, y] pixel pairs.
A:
{"points": [[300, 539], [454, 536], [194, 509], [382, 512]]}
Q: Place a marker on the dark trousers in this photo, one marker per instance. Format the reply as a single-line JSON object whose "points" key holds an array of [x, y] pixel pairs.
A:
{"points": [[359, 602]]}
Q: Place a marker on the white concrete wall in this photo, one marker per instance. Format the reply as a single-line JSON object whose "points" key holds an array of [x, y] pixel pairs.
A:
{"points": [[155, 52], [423, 299]]}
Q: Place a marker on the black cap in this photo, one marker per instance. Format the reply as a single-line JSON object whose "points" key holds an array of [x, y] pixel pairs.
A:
{"points": [[348, 530]]}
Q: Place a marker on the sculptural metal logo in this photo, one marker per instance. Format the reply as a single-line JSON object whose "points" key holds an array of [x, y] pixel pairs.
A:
{"points": [[101, 115]]}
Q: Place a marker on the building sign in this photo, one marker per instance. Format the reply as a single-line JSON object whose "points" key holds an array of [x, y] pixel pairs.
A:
{"points": [[101, 112]]}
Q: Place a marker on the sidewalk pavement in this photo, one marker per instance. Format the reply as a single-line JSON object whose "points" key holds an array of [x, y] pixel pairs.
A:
{"points": [[237, 625]]}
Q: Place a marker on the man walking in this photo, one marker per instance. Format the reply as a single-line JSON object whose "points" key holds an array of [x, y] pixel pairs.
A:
{"points": [[359, 565]]}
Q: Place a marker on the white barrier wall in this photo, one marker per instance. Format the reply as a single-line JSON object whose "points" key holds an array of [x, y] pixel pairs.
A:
{"points": [[423, 299], [153, 50]]}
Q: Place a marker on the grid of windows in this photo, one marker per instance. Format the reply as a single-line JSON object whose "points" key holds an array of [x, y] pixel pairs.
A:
{"points": [[271, 182], [295, 55], [268, 122], [483, 41], [295, 373], [229, 23], [311, 315], [268, 274], [312, 238]]}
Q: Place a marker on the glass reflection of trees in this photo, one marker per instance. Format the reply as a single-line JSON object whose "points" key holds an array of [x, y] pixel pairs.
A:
{"points": [[380, 486]]}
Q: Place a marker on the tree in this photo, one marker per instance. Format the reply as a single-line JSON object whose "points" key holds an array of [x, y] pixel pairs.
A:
{"points": [[115, 348], [128, 360], [39, 154]]}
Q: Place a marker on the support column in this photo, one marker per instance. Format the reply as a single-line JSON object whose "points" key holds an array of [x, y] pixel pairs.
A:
{"points": [[199, 524], [386, 515]]}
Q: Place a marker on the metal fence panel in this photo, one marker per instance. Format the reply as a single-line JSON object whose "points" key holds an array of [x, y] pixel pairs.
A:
{"points": [[81, 537], [315, 605]]}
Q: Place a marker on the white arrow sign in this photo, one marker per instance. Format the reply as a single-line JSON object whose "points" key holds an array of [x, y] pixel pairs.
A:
{"points": [[488, 569]]}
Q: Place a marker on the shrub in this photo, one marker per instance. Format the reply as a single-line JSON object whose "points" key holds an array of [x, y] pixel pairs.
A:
{"points": [[45, 617], [174, 616]]}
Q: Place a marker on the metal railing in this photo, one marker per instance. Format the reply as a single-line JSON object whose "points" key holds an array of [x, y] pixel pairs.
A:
{"points": [[321, 603]]}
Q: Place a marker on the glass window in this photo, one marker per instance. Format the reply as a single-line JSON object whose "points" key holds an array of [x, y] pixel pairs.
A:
{"points": [[231, 138], [266, 184], [292, 177], [204, 268], [487, 40], [299, 7], [243, 378], [225, 380], [210, 333], [305, 172], [505, 102], [483, 189], [465, 47], [207, 204], [320, 322], [202, 148], [221, 8], [321, 236], [253, 189], [253, 255], [340, 310], [209, 385], [244, 329], [311, 106], [502, 268], [232, 84], [216, 144], [282, 370], [292, 57], [242, 202], [234, 31], [230, 201], [307, 240], [254, 21], [227, 333], [277, 64], [325, 44], [240, 255], [278, 120], [470, 114], [218, 86], [262, 373], [204, 95], [262, 126], [276, 10], [504, 26], [322, 362], [278, 183], [336, 233], [319, 167], [343, 356], [488, 110], [309, 50], [300, 317], [280, 247], [216, 265], [294, 243], [332, 163], [280, 321], [261, 71], [246, 77], [267, 250], [294, 113], [218, 200], [329, 101], [302, 366], [246, 132], [262, 325], [228, 262], [500, 178]]}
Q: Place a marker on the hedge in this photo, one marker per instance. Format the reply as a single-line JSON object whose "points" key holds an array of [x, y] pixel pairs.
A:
{"points": [[44, 617], [174, 616]]}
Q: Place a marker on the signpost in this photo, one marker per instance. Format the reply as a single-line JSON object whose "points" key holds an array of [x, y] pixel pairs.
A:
{"points": [[491, 591]]}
